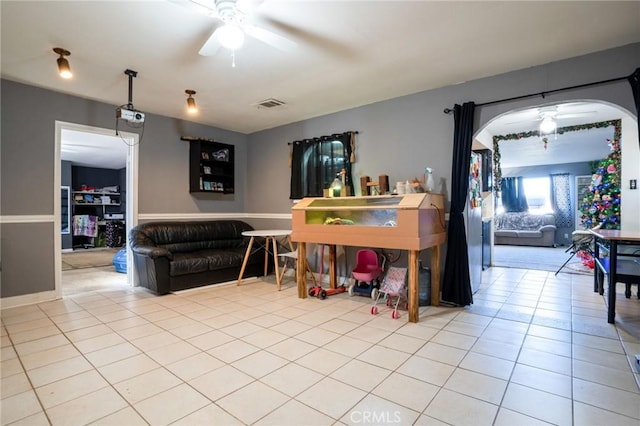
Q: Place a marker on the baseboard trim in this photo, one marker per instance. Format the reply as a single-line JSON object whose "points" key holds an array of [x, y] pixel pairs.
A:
{"points": [[27, 299]]}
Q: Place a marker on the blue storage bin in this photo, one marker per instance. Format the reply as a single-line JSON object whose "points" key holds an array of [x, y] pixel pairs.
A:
{"points": [[120, 261]]}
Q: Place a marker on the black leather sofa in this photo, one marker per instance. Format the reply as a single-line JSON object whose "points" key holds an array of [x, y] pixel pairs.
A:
{"points": [[172, 256]]}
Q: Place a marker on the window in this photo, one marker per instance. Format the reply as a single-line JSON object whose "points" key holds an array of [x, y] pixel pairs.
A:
{"points": [[538, 194], [316, 162]]}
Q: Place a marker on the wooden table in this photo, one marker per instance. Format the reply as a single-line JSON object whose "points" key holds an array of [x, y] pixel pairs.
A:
{"points": [[418, 223], [269, 235], [615, 238]]}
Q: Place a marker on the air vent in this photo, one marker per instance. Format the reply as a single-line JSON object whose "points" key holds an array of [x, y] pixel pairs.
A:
{"points": [[269, 103]]}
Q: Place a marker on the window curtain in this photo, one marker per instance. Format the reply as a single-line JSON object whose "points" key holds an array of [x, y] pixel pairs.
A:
{"points": [[456, 284], [513, 196], [561, 200], [315, 163], [634, 81]]}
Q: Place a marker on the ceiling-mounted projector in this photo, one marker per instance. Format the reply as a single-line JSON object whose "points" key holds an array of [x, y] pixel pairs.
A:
{"points": [[130, 115]]}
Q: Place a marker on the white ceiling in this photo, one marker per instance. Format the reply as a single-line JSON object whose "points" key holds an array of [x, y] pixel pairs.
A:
{"points": [[569, 147], [93, 150], [349, 53]]}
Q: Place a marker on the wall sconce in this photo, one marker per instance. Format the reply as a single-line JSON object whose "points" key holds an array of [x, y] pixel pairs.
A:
{"points": [[191, 103], [63, 64]]}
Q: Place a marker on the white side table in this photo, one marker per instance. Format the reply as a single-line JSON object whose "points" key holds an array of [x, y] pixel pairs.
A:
{"points": [[269, 235]]}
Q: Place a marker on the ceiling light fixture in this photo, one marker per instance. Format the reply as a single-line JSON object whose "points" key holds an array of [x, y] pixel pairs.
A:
{"points": [[548, 125], [231, 36], [63, 64], [191, 103]]}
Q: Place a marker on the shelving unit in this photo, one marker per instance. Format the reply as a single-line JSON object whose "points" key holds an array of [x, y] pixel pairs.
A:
{"points": [[95, 203], [211, 166], [89, 199]]}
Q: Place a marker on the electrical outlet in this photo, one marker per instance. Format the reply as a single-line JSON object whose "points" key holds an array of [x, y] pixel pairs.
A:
{"points": [[638, 363], [566, 235]]}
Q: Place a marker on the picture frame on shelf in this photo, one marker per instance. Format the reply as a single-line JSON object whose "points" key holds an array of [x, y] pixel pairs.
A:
{"points": [[205, 155], [207, 185], [207, 170], [219, 187], [221, 155]]}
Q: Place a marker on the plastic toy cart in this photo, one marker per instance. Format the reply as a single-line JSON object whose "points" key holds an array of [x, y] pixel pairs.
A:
{"points": [[366, 274], [393, 291]]}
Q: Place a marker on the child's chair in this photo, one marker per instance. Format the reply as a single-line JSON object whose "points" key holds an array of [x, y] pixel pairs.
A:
{"points": [[290, 261], [369, 267]]}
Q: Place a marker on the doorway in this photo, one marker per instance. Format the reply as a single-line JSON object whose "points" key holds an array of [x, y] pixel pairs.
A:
{"points": [[523, 152], [99, 147]]}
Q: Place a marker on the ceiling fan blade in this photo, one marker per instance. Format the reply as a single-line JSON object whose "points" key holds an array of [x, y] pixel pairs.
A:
{"points": [[204, 7], [270, 38], [575, 114], [211, 46], [523, 121]]}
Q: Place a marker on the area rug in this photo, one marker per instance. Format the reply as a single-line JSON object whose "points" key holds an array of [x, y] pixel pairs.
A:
{"points": [[88, 258], [537, 258]]}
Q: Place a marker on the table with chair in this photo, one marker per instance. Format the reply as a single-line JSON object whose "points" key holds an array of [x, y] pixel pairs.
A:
{"points": [[620, 266], [269, 239]]}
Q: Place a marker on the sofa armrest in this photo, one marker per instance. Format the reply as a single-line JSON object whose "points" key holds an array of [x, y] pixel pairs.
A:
{"points": [[152, 252], [547, 228]]}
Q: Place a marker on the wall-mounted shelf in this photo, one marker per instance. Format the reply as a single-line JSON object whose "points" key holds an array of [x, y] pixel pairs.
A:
{"points": [[211, 167]]}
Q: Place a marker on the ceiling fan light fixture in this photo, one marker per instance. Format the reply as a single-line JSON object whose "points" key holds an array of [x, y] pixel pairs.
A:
{"points": [[191, 103], [231, 36], [548, 125], [64, 70]]}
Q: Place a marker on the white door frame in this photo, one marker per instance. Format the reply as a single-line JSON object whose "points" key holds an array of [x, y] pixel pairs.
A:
{"points": [[132, 140]]}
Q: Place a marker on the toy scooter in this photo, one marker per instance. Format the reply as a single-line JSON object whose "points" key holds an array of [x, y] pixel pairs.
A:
{"points": [[321, 293]]}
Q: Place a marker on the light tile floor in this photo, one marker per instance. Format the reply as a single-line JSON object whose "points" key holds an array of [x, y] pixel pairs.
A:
{"points": [[534, 348]]}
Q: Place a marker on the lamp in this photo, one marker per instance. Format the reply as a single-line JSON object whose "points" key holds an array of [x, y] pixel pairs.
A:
{"points": [[230, 36], [191, 103], [63, 64]]}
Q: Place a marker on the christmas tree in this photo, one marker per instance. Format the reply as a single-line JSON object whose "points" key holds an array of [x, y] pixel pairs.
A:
{"points": [[601, 202]]}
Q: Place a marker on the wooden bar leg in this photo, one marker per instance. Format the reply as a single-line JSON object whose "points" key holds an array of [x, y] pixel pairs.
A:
{"points": [[246, 258], [332, 267], [413, 286], [596, 269], [275, 260], [300, 278], [435, 275], [613, 260]]}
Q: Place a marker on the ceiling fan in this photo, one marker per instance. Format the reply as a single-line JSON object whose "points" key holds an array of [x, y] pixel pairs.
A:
{"points": [[236, 21], [548, 116]]}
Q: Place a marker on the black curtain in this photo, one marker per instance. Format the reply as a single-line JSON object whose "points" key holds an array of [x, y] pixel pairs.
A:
{"points": [[456, 284], [634, 80], [315, 163], [513, 196]]}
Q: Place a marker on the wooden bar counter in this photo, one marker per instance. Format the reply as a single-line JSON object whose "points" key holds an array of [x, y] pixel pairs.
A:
{"points": [[411, 222]]}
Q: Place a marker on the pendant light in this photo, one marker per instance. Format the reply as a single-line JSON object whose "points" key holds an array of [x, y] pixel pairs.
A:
{"points": [[63, 64], [191, 103]]}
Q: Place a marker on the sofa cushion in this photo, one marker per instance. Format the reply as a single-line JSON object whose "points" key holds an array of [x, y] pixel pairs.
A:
{"points": [[529, 234], [524, 221], [188, 263], [191, 236], [506, 233], [220, 259]]}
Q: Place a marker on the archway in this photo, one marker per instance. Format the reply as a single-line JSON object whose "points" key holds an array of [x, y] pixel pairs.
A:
{"points": [[525, 123]]}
